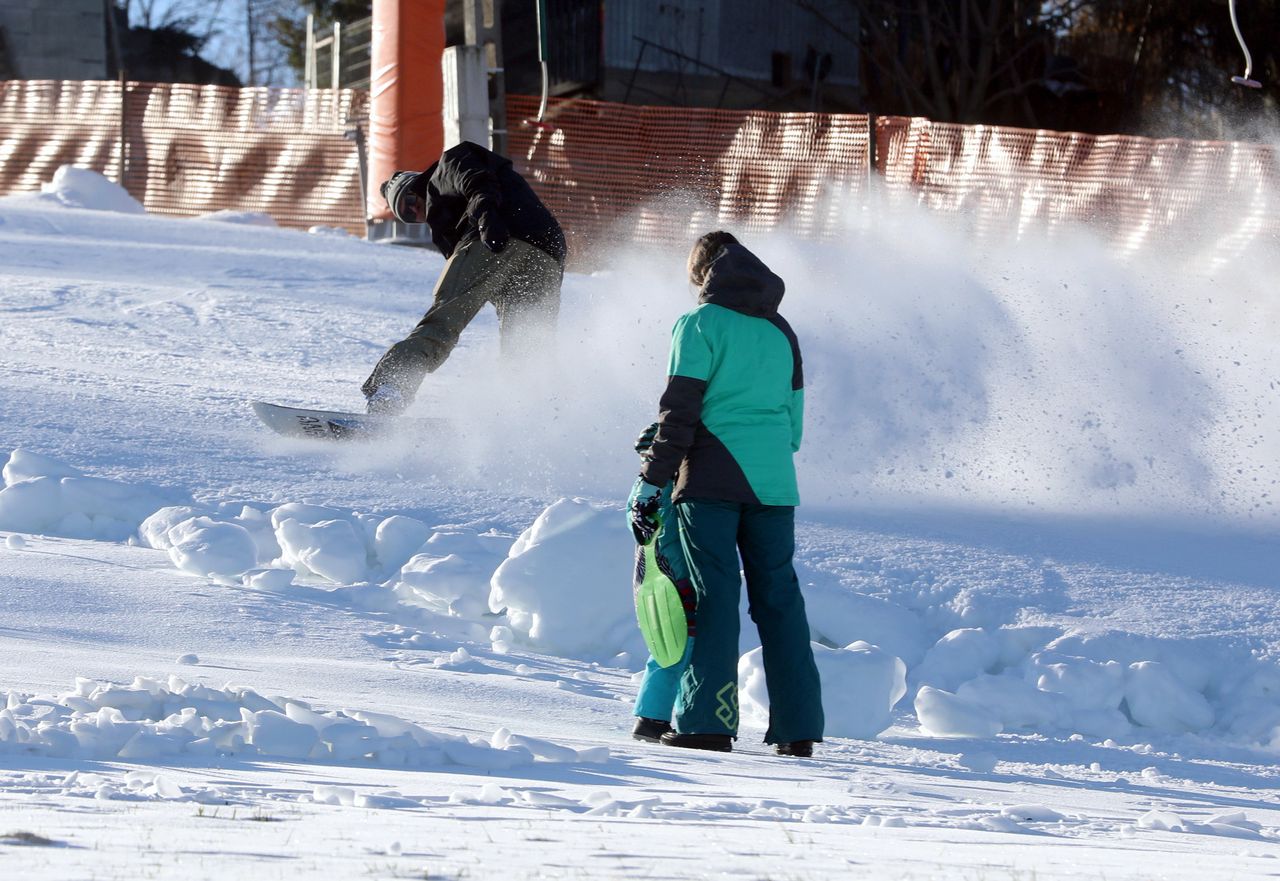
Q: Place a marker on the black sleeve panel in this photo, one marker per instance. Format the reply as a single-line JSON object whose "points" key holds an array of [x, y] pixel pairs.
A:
{"points": [[679, 412], [797, 369], [469, 175], [483, 194]]}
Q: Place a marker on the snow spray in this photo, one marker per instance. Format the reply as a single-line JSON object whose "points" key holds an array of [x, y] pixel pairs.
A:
{"points": [[1048, 373]]}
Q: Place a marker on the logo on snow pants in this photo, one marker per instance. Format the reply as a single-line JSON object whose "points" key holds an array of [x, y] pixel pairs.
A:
{"points": [[727, 705]]}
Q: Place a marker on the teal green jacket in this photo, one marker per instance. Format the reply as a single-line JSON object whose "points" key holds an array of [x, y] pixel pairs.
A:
{"points": [[732, 414]]}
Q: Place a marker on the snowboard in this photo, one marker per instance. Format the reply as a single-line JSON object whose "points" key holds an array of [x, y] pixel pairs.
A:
{"points": [[659, 608], [338, 425]]}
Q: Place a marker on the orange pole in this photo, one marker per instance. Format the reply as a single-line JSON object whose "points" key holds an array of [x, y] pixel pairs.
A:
{"points": [[406, 88]]}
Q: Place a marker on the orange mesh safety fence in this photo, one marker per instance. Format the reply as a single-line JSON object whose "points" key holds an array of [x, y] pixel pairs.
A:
{"points": [[617, 173], [184, 150], [45, 124], [1134, 191]]}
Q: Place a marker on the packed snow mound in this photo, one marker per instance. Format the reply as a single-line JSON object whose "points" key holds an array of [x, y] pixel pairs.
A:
{"points": [[314, 541], [44, 497], [82, 188], [566, 583], [976, 682], [153, 719], [563, 587]]}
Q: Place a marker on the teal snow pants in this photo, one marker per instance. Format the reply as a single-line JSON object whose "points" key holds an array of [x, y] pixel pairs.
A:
{"points": [[713, 534], [657, 696]]}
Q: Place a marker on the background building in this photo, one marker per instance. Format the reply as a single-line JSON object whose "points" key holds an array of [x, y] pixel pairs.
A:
{"points": [[695, 53], [92, 40], [62, 40]]}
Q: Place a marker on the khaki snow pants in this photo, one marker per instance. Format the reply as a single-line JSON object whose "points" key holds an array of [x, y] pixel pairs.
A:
{"points": [[523, 284]]}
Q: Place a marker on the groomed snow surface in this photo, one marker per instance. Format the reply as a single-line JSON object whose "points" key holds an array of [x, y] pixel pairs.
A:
{"points": [[1037, 551]]}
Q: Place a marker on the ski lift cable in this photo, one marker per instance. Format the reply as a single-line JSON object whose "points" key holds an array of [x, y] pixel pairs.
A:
{"points": [[542, 58], [1245, 80], [540, 121]]}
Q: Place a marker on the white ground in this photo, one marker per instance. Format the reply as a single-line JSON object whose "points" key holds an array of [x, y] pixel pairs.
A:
{"points": [[1041, 476]]}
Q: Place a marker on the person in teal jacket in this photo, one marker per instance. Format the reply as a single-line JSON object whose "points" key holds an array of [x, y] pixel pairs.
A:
{"points": [[730, 420]]}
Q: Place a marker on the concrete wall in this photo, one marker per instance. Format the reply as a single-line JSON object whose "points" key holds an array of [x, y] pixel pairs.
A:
{"points": [[55, 39]]}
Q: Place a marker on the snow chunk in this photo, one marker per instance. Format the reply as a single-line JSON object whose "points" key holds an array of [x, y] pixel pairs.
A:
{"points": [[33, 505], [1015, 702], [151, 719], [958, 657], [25, 465], [1032, 814], [334, 795], [452, 573], [202, 546], [943, 714], [245, 218], [1163, 821], [1086, 684], [330, 549], [860, 685], [839, 616], [268, 579], [543, 749], [489, 794], [275, 734], [154, 530], [305, 513], [397, 539], [1157, 699], [260, 529]]}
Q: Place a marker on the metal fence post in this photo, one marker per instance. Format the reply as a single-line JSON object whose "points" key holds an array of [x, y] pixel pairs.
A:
{"points": [[356, 134], [335, 57], [309, 65], [872, 158], [482, 26], [120, 137]]}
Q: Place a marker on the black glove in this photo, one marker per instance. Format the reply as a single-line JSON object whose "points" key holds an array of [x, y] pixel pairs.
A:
{"points": [[642, 510], [645, 441], [493, 232]]}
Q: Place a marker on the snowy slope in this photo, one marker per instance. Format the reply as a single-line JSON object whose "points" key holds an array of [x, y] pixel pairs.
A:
{"points": [[1040, 476]]}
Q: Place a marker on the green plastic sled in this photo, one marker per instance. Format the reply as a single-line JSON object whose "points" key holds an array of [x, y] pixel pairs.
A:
{"points": [[659, 610]]}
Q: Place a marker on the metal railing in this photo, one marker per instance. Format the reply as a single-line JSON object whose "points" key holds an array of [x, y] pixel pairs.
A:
{"points": [[345, 53]]}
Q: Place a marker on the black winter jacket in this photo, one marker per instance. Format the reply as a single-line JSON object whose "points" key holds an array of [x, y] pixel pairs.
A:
{"points": [[469, 182]]}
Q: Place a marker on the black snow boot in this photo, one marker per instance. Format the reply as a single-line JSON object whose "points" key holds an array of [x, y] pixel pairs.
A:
{"points": [[650, 730], [800, 748], [721, 743]]}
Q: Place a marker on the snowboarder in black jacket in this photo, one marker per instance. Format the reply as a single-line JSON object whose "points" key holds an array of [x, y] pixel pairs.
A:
{"points": [[503, 247]]}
